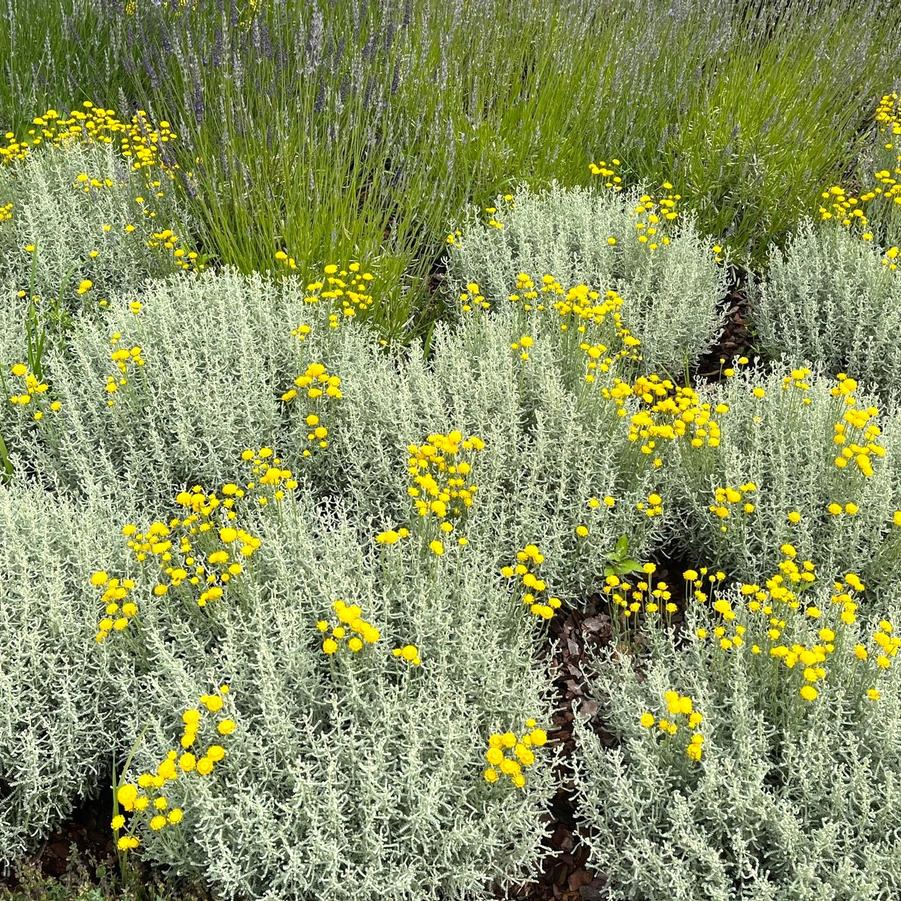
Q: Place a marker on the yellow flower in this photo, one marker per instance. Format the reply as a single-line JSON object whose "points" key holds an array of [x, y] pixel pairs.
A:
{"points": [[494, 756], [436, 547], [126, 795], [647, 720], [809, 693]]}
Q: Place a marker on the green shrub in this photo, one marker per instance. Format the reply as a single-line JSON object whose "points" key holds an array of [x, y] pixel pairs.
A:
{"points": [[790, 798], [672, 296], [784, 444], [829, 297]]}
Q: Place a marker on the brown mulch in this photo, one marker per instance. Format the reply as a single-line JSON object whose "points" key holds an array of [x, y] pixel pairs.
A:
{"points": [[573, 639], [736, 337]]}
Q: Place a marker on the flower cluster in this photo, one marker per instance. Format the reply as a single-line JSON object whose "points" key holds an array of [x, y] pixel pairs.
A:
{"points": [[579, 306], [269, 479], [346, 289], [534, 588], [666, 413], [86, 183], [30, 392], [522, 347], [491, 211], [774, 623], [119, 608], [191, 552], [319, 386], [508, 753], [351, 630], [197, 554], [167, 240], [841, 206], [144, 799], [6, 212], [137, 140], [680, 711], [609, 172], [857, 431], [726, 499], [316, 382], [886, 649], [126, 360], [631, 595], [695, 580], [471, 299], [652, 507], [653, 215], [440, 484], [849, 210], [408, 652]]}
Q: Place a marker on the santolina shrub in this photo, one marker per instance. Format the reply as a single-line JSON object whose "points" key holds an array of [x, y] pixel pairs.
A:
{"points": [[58, 728], [342, 413], [350, 770], [671, 285], [83, 224], [803, 459], [751, 760], [833, 298]]}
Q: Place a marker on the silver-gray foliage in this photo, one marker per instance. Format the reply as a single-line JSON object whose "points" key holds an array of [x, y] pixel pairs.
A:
{"points": [[828, 297], [672, 296], [356, 775], [65, 220], [57, 722], [791, 799]]}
